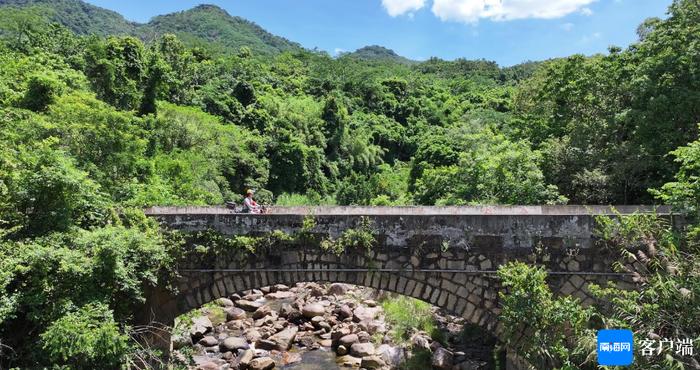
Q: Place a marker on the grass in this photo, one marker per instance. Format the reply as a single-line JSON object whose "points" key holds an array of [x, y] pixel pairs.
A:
{"points": [[407, 315]]}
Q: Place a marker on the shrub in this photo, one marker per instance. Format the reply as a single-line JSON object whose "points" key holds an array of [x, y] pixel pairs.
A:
{"points": [[42, 91], [86, 339]]}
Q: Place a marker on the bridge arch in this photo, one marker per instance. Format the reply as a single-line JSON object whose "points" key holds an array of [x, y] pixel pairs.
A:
{"points": [[444, 256]]}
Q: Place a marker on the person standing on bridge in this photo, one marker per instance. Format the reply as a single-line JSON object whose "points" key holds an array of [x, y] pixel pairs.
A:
{"points": [[249, 204]]}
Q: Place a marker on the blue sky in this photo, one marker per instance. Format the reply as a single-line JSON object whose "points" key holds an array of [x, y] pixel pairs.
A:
{"points": [[507, 31]]}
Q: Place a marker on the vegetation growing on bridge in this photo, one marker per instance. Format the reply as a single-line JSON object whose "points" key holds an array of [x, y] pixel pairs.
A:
{"points": [[560, 332], [92, 128]]}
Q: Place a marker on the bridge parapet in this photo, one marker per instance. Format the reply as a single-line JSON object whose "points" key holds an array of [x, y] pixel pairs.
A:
{"points": [[447, 256]]}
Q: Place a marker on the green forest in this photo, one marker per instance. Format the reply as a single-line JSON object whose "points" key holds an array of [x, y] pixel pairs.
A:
{"points": [[100, 117]]}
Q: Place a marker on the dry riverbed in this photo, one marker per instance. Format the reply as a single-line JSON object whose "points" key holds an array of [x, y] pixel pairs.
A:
{"points": [[333, 326]]}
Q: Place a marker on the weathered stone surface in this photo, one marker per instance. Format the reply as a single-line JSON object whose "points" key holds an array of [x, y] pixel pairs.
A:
{"points": [[313, 309], [283, 340], [366, 313], [281, 295], [224, 302], [233, 344], [208, 341], [348, 340], [234, 313], [348, 361], [362, 349], [200, 326], [344, 312], [262, 363], [442, 359], [338, 289], [248, 305], [392, 356], [372, 362], [261, 312]]}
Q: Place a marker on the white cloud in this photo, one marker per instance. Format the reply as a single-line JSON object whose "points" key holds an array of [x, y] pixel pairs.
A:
{"points": [[586, 11], [338, 51], [400, 7], [471, 11]]}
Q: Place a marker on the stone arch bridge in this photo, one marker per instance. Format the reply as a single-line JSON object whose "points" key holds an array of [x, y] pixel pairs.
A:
{"points": [[447, 256]]}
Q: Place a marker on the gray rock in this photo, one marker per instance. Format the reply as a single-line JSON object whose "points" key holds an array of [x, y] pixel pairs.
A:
{"points": [[262, 312], [338, 289], [262, 363], [281, 295], [283, 340], [348, 361], [252, 335], [442, 359], [200, 326], [248, 305], [234, 313], [362, 349], [280, 288], [344, 312], [372, 362], [312, 310], [233, 344], [420, 341], [224, 302], [208, 341], [366, 313], [245, 358], [393, 356], [210, 365], [370, 303], [348, 340]]}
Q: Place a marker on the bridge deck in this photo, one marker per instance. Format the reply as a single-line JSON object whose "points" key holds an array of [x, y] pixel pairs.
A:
{"points": [[424, 210]]}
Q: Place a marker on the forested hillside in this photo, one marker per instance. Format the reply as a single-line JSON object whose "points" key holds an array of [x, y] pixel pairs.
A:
{"points": [[206, 25], [92, 128]]}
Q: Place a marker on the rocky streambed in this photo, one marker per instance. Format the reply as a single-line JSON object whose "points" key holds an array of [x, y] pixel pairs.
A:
{"points": [[314, 326]]}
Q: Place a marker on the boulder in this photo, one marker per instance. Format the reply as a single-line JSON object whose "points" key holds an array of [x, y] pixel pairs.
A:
{"points": [[362, 313], [200, 326], [341, 350], [282, 341], [211, 365], [252, 335], [233, 344], [248, 305], [362, 349], [312, 310], [234, 313], [245, 358], [262, 363], [372, 362], [281, 295], [224, 302], [348, 340], [261, 312], [208, 341], [442, 359], [338, 289], [279, 288], [348, 361], [344, 312], [420, 341], [392, 356]]}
